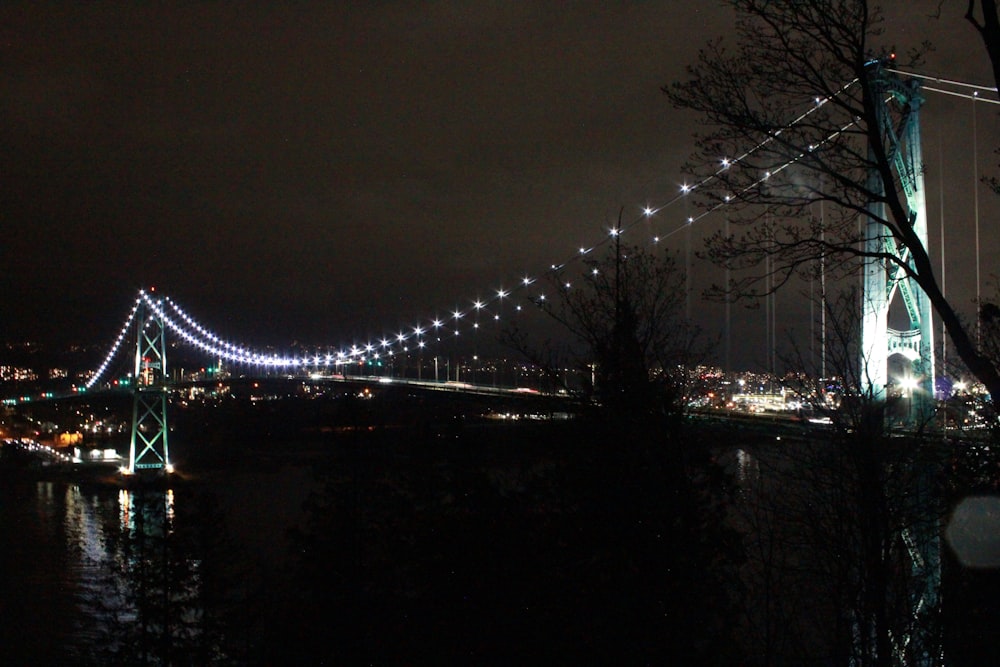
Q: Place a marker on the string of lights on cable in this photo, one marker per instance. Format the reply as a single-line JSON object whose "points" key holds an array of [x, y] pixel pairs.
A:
{"points": [[437, 329]]}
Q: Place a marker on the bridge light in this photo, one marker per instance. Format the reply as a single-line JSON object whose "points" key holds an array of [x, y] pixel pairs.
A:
{"points": [[647, 211], [685, 188], [725, 163]]}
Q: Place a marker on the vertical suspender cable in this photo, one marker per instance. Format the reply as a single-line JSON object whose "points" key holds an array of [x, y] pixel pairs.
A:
{"points": [[822, 291], [687, 258], [767, 305], [729, 367], [975, 199], [812, 310]]}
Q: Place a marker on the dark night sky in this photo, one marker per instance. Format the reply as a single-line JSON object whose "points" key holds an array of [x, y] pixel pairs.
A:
{"points": [[319, 171]]}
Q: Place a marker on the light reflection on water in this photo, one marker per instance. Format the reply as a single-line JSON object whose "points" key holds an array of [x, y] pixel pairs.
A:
{"points": [[59, 551], [747, 468], [63, 572]]}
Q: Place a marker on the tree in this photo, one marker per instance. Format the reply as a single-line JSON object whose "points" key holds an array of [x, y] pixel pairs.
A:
{"points": [[626, 309], [989, 31], [824, 58], [840, 527], [660, 555], [169, 594]]}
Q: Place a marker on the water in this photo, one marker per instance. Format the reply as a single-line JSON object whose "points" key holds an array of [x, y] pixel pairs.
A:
{"points": [[68, 584], [52, 538]]}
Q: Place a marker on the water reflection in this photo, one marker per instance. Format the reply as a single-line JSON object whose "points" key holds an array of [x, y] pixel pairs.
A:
{"points": [[108, 573], [83, 527], [747, 468], [91, 568]]}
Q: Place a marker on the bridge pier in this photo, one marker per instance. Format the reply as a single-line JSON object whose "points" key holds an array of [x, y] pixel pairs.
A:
{"points": [[148, 445]]}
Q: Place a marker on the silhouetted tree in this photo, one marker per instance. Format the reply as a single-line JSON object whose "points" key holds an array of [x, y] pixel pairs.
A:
{"points": [[170, 594], [626, 313], [848, 517], [553, 542]]}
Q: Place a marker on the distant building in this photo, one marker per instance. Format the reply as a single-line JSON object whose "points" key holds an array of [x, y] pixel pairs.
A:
{"points": [[17, 374]]}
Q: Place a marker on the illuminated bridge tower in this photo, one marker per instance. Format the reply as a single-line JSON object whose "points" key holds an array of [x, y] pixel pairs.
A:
{"points": [[884, 280], [148, 447]]}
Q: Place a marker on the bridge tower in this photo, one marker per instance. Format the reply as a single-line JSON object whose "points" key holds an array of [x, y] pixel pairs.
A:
{"points": [[883, 280], [148, 446]]}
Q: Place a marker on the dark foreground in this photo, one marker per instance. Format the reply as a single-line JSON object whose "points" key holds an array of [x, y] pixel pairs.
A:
{"points": [[440, 539]]}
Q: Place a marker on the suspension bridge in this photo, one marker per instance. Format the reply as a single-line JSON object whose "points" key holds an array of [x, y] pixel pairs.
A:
{"points": [[155, 317]]}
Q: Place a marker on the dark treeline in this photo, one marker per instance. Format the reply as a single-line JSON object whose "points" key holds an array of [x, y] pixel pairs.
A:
{"points": [[482, 543], [552, 544]]}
